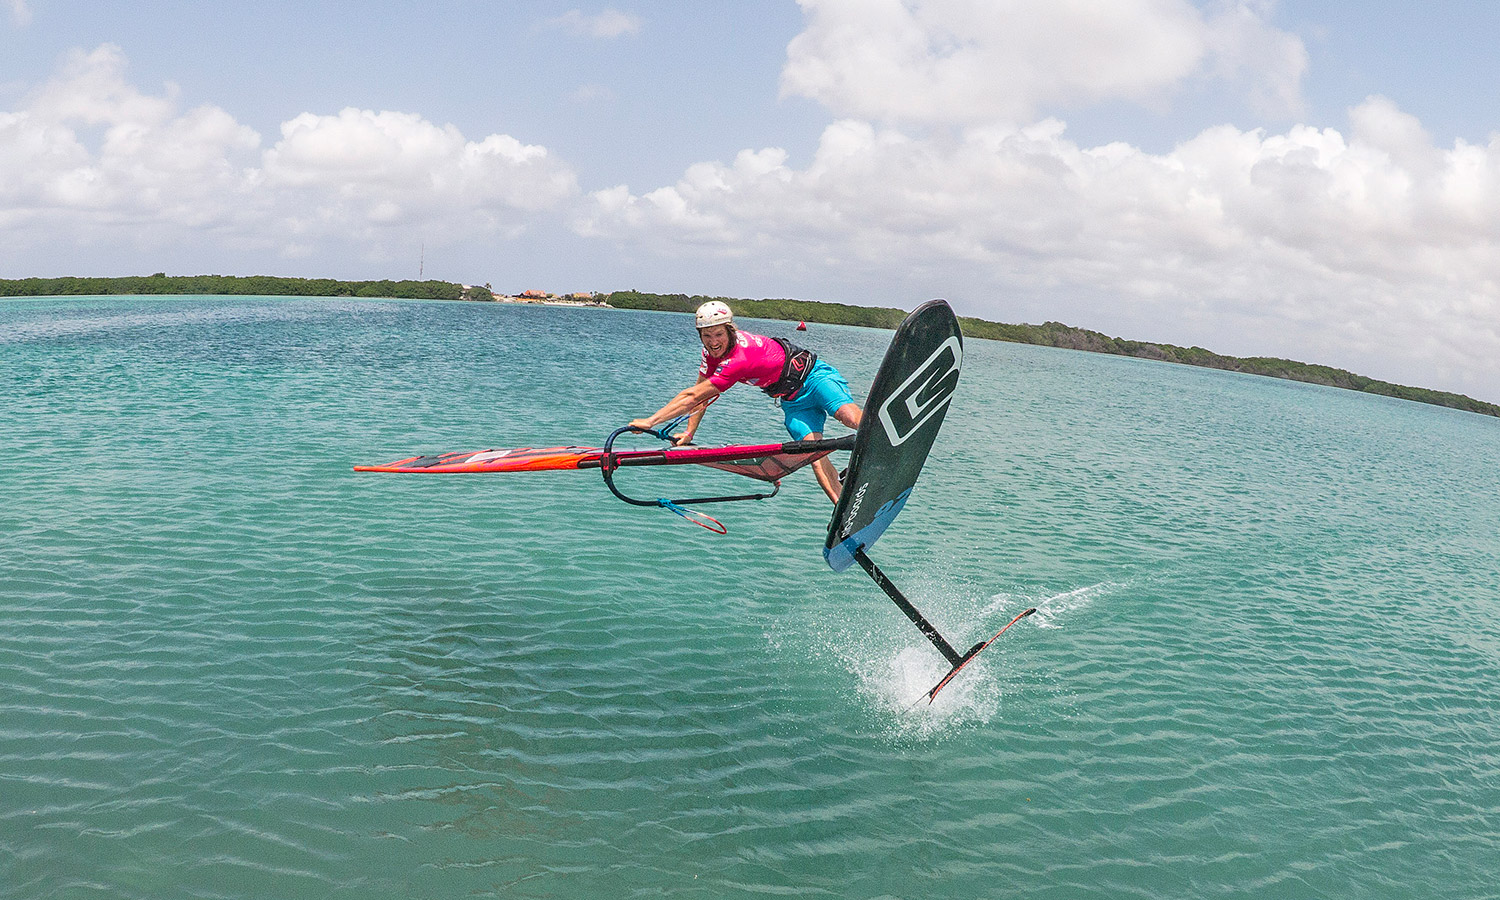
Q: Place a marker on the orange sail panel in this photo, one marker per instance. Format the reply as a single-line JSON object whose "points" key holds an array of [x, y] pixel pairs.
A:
{"points": [[766, 462], [521, 459]]}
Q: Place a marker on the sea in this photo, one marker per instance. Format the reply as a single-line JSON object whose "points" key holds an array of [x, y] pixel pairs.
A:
{"points": [[1266, 662]]}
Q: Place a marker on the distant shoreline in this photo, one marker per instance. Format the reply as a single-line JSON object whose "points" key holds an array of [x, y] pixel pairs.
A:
{"points": [[1050, 334], [590, 301], [1056, 334]]}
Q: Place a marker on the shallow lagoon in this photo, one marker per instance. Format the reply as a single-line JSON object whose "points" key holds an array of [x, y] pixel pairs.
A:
{"points": [[1266, 662]]}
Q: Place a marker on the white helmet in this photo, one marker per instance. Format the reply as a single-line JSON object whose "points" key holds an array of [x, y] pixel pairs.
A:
{"points": [[714, 313]]}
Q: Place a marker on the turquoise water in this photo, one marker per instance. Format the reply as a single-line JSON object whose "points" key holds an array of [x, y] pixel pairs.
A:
{"points": [[1267, 660]]}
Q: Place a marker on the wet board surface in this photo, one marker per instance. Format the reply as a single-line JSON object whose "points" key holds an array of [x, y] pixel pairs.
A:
{"points": [[903, 412]]}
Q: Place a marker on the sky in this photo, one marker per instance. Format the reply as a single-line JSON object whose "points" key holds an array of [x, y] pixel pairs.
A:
{"points": [[1314, 180]]}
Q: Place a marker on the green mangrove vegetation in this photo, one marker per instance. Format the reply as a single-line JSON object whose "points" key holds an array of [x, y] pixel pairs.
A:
{"points": [[1056, 334], [259, 285]]}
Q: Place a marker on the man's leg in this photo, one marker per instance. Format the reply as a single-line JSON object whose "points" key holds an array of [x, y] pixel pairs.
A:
{"points": [[850, 414], [828, 479]]}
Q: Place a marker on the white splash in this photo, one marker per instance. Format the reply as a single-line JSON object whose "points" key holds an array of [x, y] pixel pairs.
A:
{"points": [[1052, 611]]}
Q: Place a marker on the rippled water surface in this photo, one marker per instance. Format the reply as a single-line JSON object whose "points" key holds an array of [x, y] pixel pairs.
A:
{"points": [[1267, 662]]}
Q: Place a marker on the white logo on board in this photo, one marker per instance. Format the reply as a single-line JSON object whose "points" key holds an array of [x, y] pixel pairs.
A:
{"points": [[924, 394], [853, 508]]}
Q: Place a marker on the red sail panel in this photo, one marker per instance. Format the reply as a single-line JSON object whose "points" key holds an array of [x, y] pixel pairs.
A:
{"points": [[770, 468]]}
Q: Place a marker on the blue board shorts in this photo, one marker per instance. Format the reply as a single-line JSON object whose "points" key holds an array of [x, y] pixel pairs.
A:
{"points": [[824, 391]]}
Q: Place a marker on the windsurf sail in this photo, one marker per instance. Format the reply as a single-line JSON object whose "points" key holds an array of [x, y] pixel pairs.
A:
{"points": [[520, 459], [763, 462], [905, 408]]}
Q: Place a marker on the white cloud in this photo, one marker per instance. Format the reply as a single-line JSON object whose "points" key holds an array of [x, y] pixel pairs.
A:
{"points": [[1269, 63], [91, 157], [974, 61], [1377, 251], [362, 169], [90, 89], [137, 159], [20, 13], [610, 23]]}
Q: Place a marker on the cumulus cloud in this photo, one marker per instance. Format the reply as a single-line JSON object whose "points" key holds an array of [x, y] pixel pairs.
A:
{"points": [[972, 61], [91, 154], [89, 146], [1374, 249], [610, 23], [1269, 63], [365, 169]]}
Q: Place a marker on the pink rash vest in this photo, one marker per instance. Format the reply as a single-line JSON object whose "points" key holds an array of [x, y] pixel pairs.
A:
{"points": [[754, 360]]}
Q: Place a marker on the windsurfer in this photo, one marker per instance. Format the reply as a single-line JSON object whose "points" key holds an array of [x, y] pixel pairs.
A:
{"points": [[808, 389]]}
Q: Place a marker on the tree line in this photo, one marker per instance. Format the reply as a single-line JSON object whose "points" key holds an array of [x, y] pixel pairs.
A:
{"points": [[1056, 334], [258, 285]]}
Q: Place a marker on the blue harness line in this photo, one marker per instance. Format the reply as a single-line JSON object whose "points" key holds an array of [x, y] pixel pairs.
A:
{"points": [[692, 515]]}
